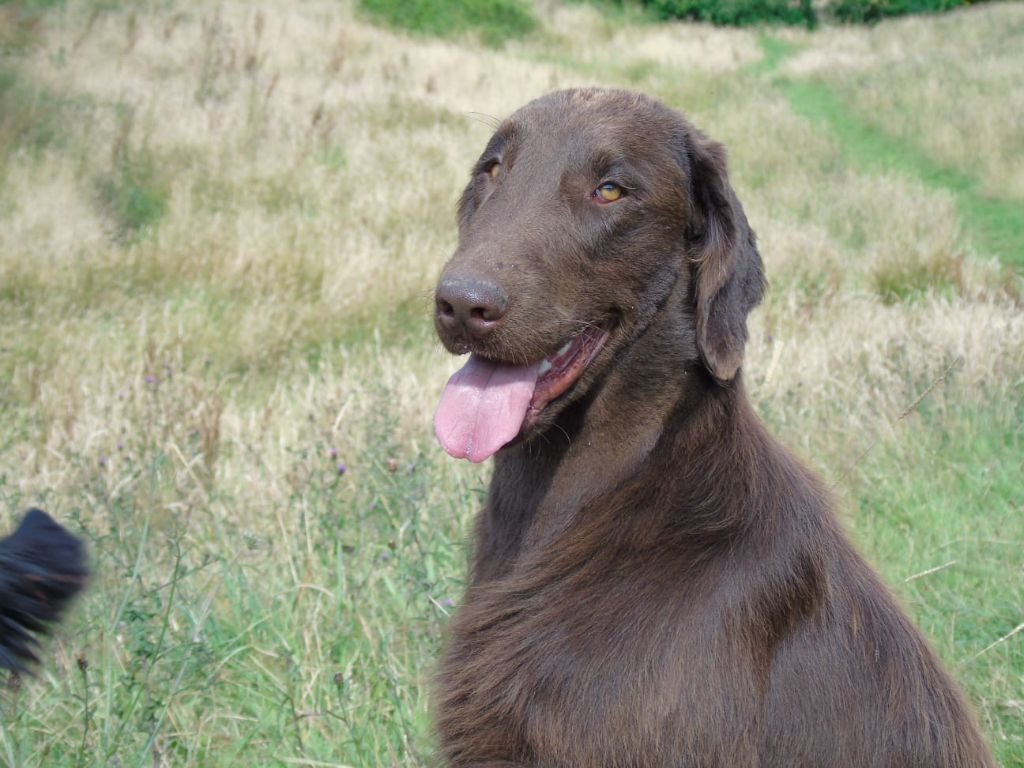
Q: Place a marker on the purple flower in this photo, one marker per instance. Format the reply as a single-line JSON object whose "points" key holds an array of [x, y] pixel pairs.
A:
{"points": [[448, 602], [149, 379], [103, 461], [333, 453], [342, 469]]}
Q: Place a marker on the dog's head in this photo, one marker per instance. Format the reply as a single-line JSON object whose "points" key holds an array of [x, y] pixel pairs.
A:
{"points": [[587, 210]]}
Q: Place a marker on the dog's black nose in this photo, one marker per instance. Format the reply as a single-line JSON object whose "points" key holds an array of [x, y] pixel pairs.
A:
{"points": [[470, 308]]}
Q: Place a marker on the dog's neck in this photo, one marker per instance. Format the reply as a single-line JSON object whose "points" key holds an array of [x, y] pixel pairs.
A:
{"points": [[655, 414]]}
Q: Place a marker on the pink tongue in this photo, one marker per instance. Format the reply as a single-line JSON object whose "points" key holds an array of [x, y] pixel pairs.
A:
{"points": [[483, 407]]}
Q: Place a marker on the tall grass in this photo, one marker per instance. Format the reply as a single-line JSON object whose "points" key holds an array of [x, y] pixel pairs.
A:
{"points": [[219, 228]]}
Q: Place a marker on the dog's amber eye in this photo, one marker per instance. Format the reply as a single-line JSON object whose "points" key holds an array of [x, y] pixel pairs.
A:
{"points": [[610, 192], [493, 170]]}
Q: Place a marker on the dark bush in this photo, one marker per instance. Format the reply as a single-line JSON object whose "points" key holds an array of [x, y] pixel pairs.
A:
{"points": [[737, 12], [869, 11], [746, 12]]}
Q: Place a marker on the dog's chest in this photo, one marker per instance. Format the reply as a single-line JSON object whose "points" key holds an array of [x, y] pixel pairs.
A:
{"points": [[570, 674]]}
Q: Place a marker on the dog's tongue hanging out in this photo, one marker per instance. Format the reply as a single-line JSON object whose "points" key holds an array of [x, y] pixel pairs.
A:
{"points": [[483, 407]]}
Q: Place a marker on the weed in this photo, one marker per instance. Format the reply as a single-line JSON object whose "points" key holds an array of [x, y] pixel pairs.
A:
{"points": [[901, 279], [134, 194]]}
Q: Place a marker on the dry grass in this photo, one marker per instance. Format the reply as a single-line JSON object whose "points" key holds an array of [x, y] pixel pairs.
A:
{"points": [[950, 84], [218, 235]]}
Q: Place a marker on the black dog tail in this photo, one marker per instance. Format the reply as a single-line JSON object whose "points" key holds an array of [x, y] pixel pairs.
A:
{"points": [[42, 567]]}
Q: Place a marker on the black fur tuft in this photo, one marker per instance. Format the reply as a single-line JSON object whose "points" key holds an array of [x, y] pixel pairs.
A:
{"points": [[42, 567]]}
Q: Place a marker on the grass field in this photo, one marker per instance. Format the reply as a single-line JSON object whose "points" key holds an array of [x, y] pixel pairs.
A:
{"points": [[219, 230]]}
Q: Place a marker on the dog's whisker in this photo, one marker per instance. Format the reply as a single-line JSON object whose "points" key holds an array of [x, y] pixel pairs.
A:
{"points": [[561, 429], [484, 119]]}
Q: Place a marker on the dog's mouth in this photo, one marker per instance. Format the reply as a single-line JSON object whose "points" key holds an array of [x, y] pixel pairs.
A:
{"points": [[487, 403]]}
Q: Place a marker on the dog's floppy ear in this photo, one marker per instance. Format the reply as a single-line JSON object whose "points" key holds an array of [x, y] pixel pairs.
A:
{"points": [[728, 277]]}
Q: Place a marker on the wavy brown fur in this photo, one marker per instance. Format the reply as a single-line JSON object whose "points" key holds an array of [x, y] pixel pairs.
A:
{"points": [[656, 582]]}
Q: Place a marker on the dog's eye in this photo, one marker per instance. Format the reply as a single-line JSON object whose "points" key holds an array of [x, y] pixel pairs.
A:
{"points": [[609, 192], [494, 169]]}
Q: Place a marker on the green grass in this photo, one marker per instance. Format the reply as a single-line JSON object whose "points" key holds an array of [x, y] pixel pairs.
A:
{"points": [[184, 622], [181, 619], [494, 20], [946, 493]]}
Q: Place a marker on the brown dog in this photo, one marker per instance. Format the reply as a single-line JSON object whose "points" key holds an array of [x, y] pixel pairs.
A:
{"points": [[656, 582]]}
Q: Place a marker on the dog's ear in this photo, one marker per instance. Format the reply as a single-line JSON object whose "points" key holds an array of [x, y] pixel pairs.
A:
{"points": [[728, 277]]}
